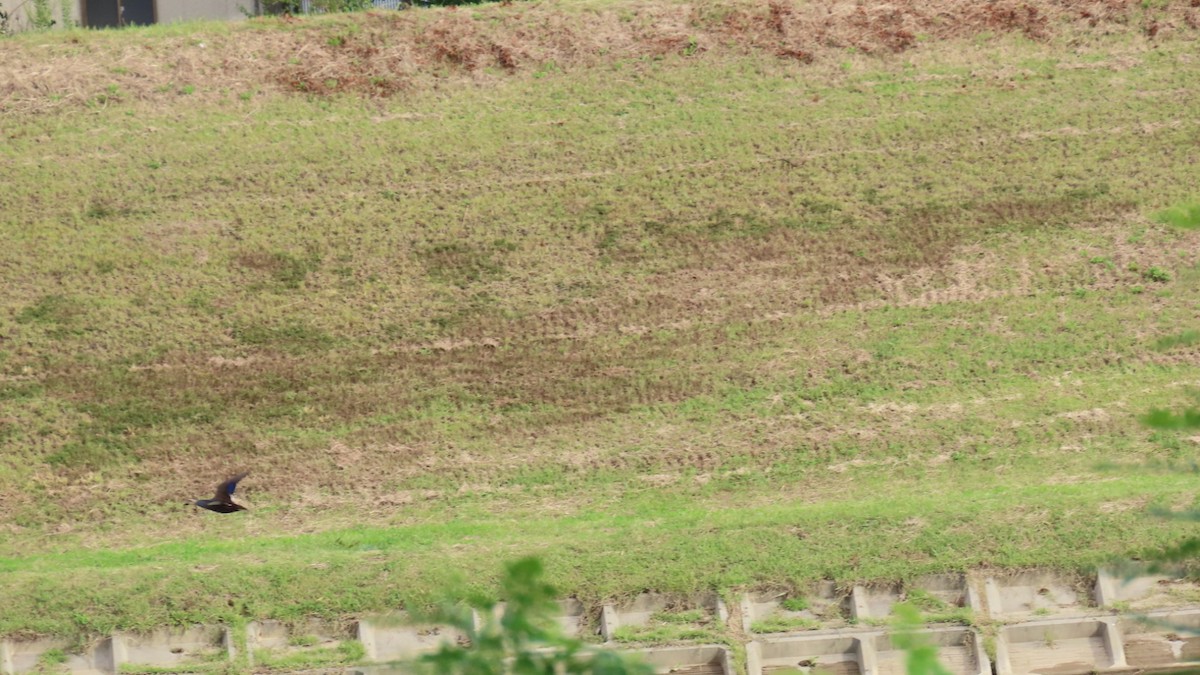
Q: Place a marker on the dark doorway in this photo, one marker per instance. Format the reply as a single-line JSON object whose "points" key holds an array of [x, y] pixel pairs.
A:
{"points": [[101, 14], [114, 13], [138, 12]]}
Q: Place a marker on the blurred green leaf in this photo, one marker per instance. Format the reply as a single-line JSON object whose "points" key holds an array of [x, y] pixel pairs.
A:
{"points": [[1185, 339], [1158, 418], [922, 654], [1186, 216], [524, 639]]}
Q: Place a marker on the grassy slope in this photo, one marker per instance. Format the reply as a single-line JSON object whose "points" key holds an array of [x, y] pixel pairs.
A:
{"points": [[674, 323]]}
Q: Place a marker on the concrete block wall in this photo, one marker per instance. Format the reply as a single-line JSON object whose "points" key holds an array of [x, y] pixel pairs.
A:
{"points": [[641, 610], [1035, 622]]}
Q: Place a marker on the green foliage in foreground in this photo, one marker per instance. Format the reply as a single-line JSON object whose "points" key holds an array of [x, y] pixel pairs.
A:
{"points": [[1185, 339], [1186, 216], [922, 655], [783, 624], [523, 640], [1175, 557], [348, 652]]}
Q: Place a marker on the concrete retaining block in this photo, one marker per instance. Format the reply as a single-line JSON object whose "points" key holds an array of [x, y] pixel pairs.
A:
{"points": [[697, 660], [754, 662], [952, 589], [876, 602], [1164, 639], [960, 650], [1112, 589], [640, 611], [1081, 639], [865, 603], [386, 669], [277, 638], [27, 656], [1060, 646], [609, 622], [864, 652], [1031, 594], [826, 607], [266, 635], [834, 652], [392, 637], [1143, 592], [746, 606], [860, 603], [572, 620], [172, 647]]}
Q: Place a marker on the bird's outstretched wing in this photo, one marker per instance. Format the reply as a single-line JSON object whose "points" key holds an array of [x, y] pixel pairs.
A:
{"points": [[225, 490]]}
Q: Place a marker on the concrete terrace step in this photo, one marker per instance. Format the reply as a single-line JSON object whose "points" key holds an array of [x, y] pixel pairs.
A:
{"points": [[1023, 623]]}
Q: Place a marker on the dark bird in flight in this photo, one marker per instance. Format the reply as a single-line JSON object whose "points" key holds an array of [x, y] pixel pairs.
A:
{"points": [[222, 502]]}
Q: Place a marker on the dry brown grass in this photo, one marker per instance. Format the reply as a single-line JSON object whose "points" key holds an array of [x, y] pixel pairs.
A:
{"points": [[382, 54]]}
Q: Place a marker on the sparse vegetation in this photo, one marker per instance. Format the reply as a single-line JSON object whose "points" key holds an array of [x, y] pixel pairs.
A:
{"points": [[1158, 274], [53, 657], [41, 15], [935, 610], [795, 603], [783, 624], [925, 601], [685, 616], [347, 652], [302, 640], [672, 626], [186, 669], [664, 634], [747, 316]]}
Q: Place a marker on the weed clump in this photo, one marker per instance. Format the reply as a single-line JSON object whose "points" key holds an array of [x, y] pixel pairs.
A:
{"points": [[783, 624], [796, 603]]}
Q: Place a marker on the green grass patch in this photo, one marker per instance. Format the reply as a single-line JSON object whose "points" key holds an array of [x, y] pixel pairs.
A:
{"points": [[183, 669], [925, 601], [685, 616], [660, 634], [783, 624], [1186, 338], [795, 603], [346, 653], [292, 336], [960, 615]]}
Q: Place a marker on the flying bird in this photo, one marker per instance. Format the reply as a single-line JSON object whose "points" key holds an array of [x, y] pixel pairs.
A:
{"points": [[222, 502]]}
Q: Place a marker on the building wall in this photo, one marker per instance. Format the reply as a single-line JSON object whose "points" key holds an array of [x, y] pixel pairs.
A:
{"points": [[20, 15], [183, 10]]}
